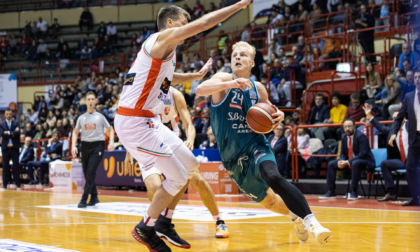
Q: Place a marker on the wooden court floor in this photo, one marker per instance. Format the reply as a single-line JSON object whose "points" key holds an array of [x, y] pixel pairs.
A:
{"points": [[51, 218]]}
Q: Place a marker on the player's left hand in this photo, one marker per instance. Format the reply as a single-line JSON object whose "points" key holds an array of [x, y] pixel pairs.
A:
{"points": [[204, 70], [111, 147], [278, 116], [189, 144]]}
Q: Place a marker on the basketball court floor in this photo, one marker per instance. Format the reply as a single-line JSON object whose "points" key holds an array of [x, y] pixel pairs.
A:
{"points": [[47, 220]]}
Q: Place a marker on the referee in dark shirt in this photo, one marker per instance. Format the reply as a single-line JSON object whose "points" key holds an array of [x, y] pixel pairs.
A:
{"points": [[92, 125]]}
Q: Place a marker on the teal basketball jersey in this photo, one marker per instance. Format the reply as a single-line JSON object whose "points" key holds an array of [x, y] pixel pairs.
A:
{"points": [[228, 122]]}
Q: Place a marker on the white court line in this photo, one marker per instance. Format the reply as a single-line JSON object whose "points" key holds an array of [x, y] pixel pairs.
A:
{"points": [[251, 202], [49, 212], [370, 209], [208, 222]]}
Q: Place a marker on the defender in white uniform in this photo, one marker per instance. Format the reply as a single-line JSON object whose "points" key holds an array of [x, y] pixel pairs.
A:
{"points": [[138, 125], [174, 108]]}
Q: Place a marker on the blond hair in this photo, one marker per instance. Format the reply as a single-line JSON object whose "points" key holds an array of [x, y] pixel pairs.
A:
{"points": [[247, 47]]}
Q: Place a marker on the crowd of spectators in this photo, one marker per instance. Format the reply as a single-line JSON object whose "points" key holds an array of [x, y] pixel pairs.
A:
{"points": [[58, 111]]}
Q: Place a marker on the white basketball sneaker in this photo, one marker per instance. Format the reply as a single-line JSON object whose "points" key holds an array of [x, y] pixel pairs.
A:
{"points": [[300, 230], [321, 234]]}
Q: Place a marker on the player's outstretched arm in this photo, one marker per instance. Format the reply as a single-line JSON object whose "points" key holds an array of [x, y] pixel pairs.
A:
{"points": [[207, 21], [185, 117], [278, 117], [179, 78], [221, 82]]}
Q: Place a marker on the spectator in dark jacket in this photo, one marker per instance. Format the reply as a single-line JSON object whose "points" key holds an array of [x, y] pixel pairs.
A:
{"points": [[27, 153], [86, 19], [278, 142], [320, 113], [53, 152]]}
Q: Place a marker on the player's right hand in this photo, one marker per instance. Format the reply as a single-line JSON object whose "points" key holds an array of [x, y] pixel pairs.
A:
{"points": [[243, 84], [244, 3], [74, 151]]}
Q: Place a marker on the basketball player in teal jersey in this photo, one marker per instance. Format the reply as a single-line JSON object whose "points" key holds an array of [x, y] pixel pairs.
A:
{"points": [[248, 156]]}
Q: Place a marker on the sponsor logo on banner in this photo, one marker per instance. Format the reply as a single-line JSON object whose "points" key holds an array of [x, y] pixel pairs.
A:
{"points": [[120, 168], [183, 212], [12, 245]]}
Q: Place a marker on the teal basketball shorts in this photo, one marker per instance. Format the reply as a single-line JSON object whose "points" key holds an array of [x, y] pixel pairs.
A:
{"points": [[245, 172]]}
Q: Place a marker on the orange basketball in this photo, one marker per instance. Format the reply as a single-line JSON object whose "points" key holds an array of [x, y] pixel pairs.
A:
{"points": [[259, 118]]}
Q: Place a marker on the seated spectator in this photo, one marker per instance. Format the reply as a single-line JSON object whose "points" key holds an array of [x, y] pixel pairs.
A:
{"points": [[407, 84], [97, 48], [408, 55], [355, 111], [60, 46], [54, 29], [204, 122], [107, 46], [407, 66], [65, 57], [285, 86], [86, 53], [101, 31], [337, 114], [278, 143], [320, 114], [32, 116], [332, 5], [146, 33], [41, 50], [29, 130], [86, 19], [355, 154], [198, 10], [42, 28], [331, 50], [384, 15], [417, 46], [111, 31], [40, 132], [272, 91], [31, 54], [339, 19], [396, 155], [53, 152], [24, 43], [391, 103], [372, 83], [210, 142], [27, 154]]}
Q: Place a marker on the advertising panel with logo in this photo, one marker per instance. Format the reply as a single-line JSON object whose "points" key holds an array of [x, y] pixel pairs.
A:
{"points": [[67, 175], [113, 172], [218, 178]]}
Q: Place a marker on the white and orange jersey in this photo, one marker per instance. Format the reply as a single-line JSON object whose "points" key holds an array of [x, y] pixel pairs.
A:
{"points": [[168, 112], [147, 82]]}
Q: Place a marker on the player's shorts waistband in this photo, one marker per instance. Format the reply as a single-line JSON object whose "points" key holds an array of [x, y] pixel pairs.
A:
{"points": [[134, 112]]}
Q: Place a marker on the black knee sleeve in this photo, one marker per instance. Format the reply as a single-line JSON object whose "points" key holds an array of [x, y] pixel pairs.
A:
{"points": [[291, 196]]}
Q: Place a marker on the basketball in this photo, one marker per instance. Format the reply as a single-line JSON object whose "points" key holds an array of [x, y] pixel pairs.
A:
{"points": [[259, 118]]}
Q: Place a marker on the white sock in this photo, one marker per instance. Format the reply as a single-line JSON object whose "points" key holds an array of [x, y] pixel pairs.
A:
{"points": [[292, 216], [168, 213], [216, 218], [149, 221], [310, 220]]}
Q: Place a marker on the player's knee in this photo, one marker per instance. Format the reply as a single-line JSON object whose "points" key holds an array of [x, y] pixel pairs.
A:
{"points": [[197, 180], [192, 168], [176, 183], [269, 172], [152, 183]]}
